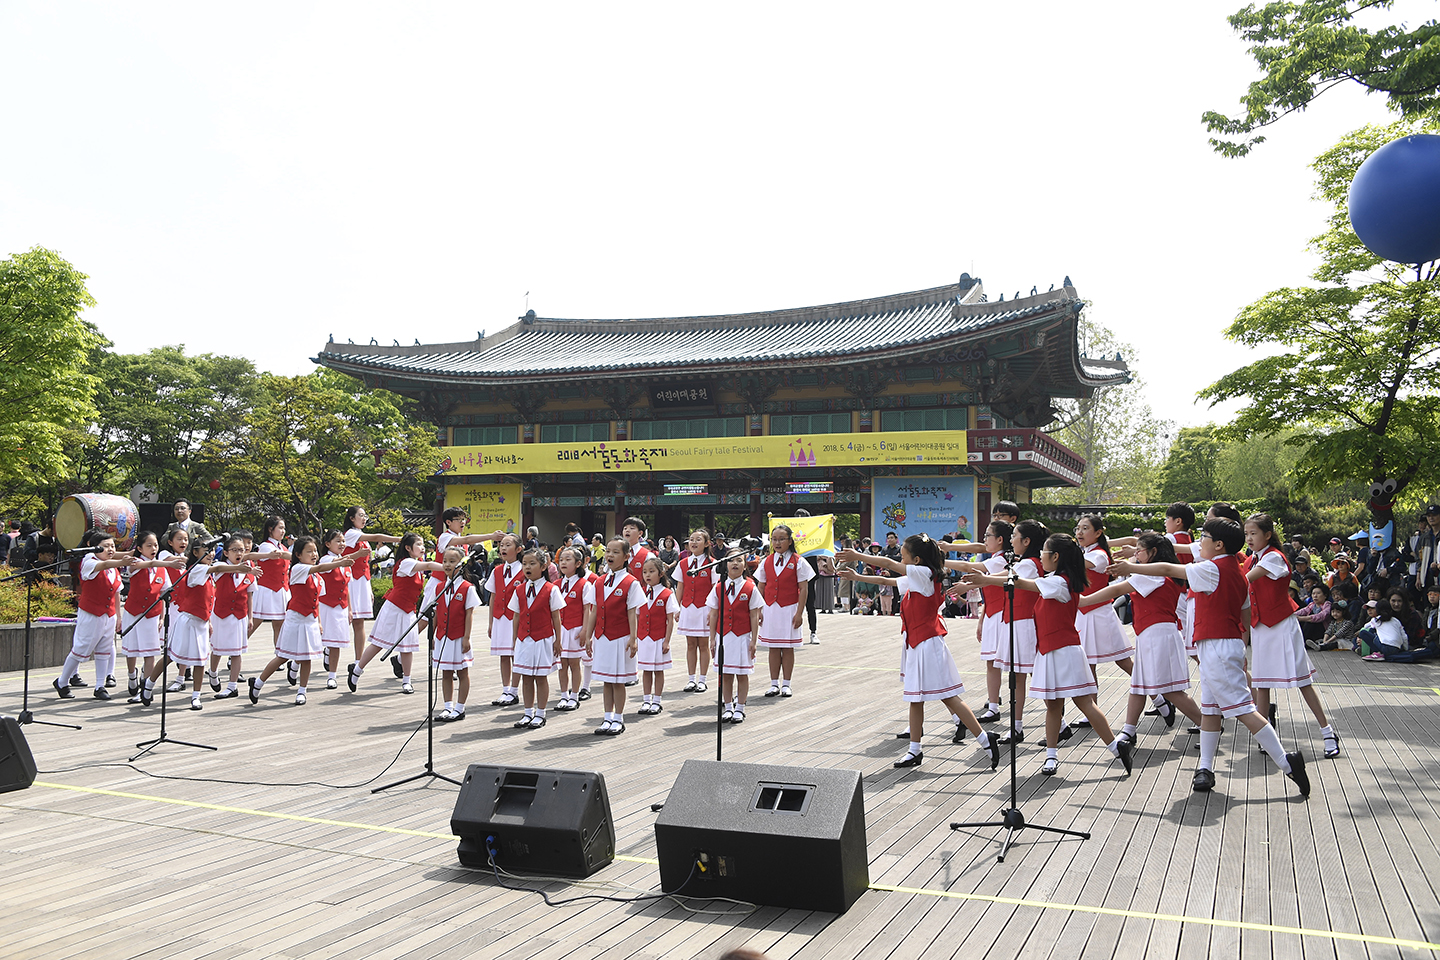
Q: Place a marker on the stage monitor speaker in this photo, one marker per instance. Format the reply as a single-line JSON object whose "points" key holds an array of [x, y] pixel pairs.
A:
{"points": [[538, 821], [17, 765], [779, 836]]}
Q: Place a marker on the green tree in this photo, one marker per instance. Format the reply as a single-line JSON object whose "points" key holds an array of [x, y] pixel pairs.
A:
{"points": [[1309, 47], [1354, 361], [1191, 471], [47, 389], [1250, 469]]}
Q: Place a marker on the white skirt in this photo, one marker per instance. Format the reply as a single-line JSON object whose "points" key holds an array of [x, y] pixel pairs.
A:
{"points": [[92, 633], [1223, 687], [693, 622], [1278, 657], [1160, 662], [738, 661], [612, 664], [535, 658], [1187, 627], [652, 656], [334, 626], [1024, 661], [777, 628], [144, 640], [266, 604], [502, 637], [299, 638], [570, 646], [1062, 673], [1102, 636], [930, 672], [452, 655], [990, 632], [362, 599], [392, 622], [229, 636], [190, 640]]}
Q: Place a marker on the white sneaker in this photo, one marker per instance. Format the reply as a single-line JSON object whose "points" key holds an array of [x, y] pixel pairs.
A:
{"points": [[813, 638], [331, 684]]}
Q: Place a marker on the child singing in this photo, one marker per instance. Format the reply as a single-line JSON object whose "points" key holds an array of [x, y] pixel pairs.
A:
{"points": [[504, 578], [697, 580], [230, 618], [735, 609], [140, 619], [784, 577], [362, 598], [396, 627], [615, 641], [577, 620], [535, 606], [454, 618], [336, 615], [656, 623], [95, 617], [300, 635]]}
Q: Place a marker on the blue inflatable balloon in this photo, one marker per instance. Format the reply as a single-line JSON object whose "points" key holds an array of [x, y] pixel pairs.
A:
{"points": [[1395, 200]]}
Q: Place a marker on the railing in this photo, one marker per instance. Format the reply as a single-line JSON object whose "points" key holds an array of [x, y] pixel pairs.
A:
{"points": [[1021, 446]]}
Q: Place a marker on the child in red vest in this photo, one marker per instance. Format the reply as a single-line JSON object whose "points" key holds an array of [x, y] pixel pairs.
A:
{"points": [[454, 618], [504, 577], [633, 531], [929, 669], [784, 577], [95, 617], [1277, 646], [142, 615], [655, 624], [230, 618], [735, 608], [1062, 670], [577, 620], [535, 605], [362, 597], [1220, 626], [272, 589], [395, 626], [336, 612], [696, 579], [300, 634], [615, 640]]}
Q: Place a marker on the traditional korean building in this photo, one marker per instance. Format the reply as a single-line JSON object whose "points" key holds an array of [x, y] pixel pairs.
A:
{"points": [[913, 411]]}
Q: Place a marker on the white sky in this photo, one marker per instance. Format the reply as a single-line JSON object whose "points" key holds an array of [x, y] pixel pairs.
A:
{"points": [[247, 179]]}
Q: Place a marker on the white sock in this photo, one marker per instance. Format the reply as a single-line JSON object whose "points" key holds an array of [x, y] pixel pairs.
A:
{"points": [[1209, 743], [1130, 729], [104, 666], [1020, 723], [1327, 731], [300, 689], [72, 664], [529, 712], [450, 705], [915, 748], [1114, 747], [540, 712], [232, 685], [259, 683], [995, 707], [1052, 753], [134, 674], [1269, 740], [1157, 700], [785, 683], [955, 718], [357, 669], [459, 707], [331, 675], [405, 679]]}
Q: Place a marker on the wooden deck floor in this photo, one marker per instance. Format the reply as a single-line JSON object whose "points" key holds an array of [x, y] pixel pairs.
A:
{"points": [[252, 851]]}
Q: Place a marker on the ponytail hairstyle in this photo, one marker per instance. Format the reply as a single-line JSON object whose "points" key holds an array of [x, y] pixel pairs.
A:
{"points": [[268, 527], [1161, 550], [660, 568], [406, 543], [1098, 525], [1069, 561], [299, 547], [1035, 532], [1001, 529], [330, 535], [170, 538], [350, 515], [927, 553], [1267, 527]]}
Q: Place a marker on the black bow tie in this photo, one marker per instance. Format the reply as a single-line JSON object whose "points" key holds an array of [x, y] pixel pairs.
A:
{"points": [[732, 589], [532, 591], [610, 581]]}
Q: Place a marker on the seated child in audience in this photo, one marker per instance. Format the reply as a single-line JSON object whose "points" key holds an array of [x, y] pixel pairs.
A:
{"points": [[1339, 632]]}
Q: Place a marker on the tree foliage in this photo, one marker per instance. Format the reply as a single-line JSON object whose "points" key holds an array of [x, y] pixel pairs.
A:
{"points": [[1305, 48], [44, 343], [1355, 360], [1192, 468]]}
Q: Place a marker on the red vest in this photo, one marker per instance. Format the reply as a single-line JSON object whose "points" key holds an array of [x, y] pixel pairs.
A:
{"points": [[172, 576], [920, 615], [1095, 580], [198, 601], [97, 595], [275, 574], [337, 587], [1054, 622], [1270, 601], [1158, 607], [405, 592], [501, 589], [573, 615], [230, 600], [145, 587], [637, 563], [1217, 614], [1025, 600], [650, 619], [612, 618], [450, 613], [305, 596], [360, 569], [534, 621], [783, 588], [735, 611], [1184, 537], [697, 586]]}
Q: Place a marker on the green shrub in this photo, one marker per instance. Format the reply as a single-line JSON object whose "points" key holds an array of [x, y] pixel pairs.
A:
{"points": [[49, 600], [379, 586]]}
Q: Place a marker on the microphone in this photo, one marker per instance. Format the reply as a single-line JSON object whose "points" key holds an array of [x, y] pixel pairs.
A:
{"points": [[82, 551]]}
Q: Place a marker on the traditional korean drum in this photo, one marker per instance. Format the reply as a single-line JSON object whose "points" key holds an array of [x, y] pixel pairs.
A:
{"points": [[80, 512]]}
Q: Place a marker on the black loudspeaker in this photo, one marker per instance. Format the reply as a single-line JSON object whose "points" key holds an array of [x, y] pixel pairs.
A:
{"points": [[17, 765], [554, 822], [780, 836]]}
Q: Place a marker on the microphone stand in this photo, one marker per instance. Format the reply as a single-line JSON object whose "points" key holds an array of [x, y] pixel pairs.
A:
{"points": [[1012, 821], [26, 715], [147, 745], [429, 770]]}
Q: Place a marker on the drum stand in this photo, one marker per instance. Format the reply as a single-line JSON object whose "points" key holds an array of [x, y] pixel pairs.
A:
{"points": [[26, 716], [429, 771], [147, 745]]}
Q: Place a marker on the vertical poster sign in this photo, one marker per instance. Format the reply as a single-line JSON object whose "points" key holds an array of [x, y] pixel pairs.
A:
{"points": [[491, 506], [931, 505]]}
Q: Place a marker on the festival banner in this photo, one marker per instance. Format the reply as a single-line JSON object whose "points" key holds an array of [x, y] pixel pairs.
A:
{"points": [[814, 536], [931, 505], [738, 453], [492, 506]]}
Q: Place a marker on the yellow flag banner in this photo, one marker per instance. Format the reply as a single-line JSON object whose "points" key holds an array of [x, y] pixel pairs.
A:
{"points": [[643, 456], [491, 506], [814, 536]]}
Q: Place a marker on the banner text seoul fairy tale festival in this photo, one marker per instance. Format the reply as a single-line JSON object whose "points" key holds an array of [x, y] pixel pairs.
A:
{"points": [[776, 452]]}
